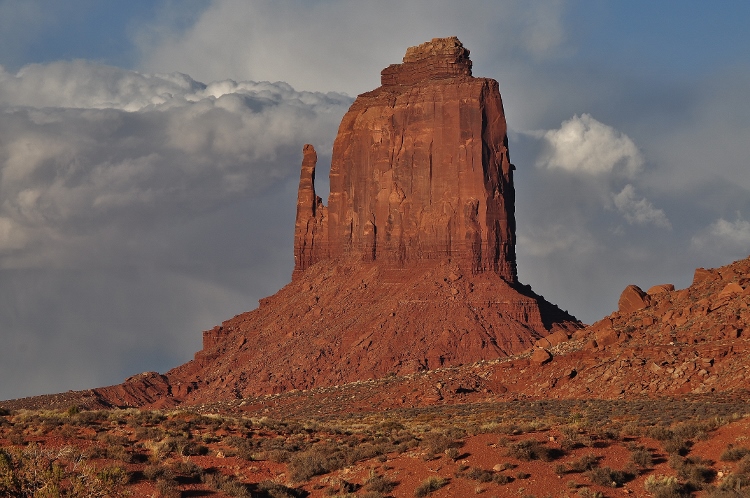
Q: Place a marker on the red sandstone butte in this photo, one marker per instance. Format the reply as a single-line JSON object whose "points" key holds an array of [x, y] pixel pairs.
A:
{"points": [[411, 266], [420, 171]]}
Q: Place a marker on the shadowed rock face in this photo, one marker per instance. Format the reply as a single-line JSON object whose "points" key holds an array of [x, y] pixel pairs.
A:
{"points": [[420, 171]]}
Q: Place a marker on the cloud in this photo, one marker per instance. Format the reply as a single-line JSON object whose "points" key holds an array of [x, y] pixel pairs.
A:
{"points": [[138, 209], [725, 236], [639, 211], [584, 145], [108, 146], [340, 44]]}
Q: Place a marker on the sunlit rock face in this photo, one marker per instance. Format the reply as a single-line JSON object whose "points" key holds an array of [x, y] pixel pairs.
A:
{"points": [[420, 172]]}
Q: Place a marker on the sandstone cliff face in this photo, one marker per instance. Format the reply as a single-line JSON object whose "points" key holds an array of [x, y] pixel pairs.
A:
{"points": [[420, 171]]}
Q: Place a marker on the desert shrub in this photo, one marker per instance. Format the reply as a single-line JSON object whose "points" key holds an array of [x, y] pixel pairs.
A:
{"points": [[452, 453], [676, 446], [584, 463], [665, 487], [522, 475], [605, 476], [380, 484], [41, 472], [531, 449], [16, 437], [158, 472], [574, 438], [695, 470], [244, 447], [227, 485], [692, 430], [481, 475], [113, 476], [660, 433], [501, 479], [733, 454], [364, 452], [191, 448], [188, 470], [153, 433], [641, 457], [429, 485], [311, 463], [145, 417], [111, 439], [89, 417], [113, 452], [67, 431], [168, 489], [4, 412], [733, 485], [270, 489], [589, 493], [743, 466], [438, 443]]}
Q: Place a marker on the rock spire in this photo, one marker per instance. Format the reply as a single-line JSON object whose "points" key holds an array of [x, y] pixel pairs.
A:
{"points": [[420, 172]]}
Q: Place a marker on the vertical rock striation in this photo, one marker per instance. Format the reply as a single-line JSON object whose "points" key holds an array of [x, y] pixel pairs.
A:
{"points": [[420, 171]]}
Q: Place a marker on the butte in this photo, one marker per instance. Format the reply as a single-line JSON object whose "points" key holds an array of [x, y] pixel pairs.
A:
{"points": [[410, 267]]}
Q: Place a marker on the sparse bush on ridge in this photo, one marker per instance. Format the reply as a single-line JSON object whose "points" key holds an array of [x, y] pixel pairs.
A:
{"points": [[665, 487], [733, 454], [605, 476], [531, 449], [429, 485]]}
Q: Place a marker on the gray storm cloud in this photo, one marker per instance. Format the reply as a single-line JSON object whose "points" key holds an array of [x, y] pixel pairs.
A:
{"points": [[120, 193], [86, 146]]}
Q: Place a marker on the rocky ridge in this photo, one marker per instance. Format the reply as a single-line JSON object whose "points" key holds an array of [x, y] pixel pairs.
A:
{"points": [[688, 343]]}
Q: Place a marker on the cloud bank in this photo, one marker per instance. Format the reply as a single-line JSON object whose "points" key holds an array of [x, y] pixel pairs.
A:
{"points": [[87, 147], [111, 183]]}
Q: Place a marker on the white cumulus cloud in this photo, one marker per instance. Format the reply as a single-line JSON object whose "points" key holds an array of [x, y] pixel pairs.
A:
{"points": [[584, 145], [639, 211]]}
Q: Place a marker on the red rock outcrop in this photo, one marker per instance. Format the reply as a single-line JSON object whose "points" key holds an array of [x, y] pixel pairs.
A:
{"points": [[412, 264], [691, 342], [311, 229], [420, 171], [632, 299]]}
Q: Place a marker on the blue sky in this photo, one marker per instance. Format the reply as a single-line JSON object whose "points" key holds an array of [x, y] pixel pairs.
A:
{"points": [[150, 152]]}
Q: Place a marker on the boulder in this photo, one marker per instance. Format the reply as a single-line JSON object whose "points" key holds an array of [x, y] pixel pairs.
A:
{"points": [[557, 337], [731, 290], [540, 356], [632, 299], [703, 275], [660, 289], [605, 337]]}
